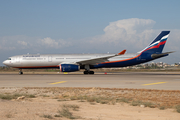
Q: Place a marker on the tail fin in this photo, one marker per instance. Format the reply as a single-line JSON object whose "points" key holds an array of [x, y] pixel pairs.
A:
{"points": [[158, 44]]}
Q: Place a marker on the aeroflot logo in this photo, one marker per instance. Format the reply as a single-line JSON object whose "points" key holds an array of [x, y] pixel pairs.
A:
{"points": [[31, 55]]}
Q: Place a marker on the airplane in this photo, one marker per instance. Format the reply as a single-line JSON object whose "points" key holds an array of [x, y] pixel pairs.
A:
{"points": [[75, 62]]}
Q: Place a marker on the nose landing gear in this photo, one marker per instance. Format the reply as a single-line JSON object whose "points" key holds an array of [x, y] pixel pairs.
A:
{"points": [[20, 72]]}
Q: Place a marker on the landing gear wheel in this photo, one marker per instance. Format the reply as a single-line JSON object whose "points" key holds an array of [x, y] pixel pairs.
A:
{"points": [[20, 73], [91, 72], [85, 72], [88, 72]]}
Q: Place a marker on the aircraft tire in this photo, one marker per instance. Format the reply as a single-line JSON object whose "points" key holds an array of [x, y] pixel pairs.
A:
{"points": [[20, 73], [85, 72], [88, 72], [91, 72]]}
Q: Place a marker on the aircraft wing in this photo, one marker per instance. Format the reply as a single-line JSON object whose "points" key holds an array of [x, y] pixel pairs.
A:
{"points": [[96, 60]]}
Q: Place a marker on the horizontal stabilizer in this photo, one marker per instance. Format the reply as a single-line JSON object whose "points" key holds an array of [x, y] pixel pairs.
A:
{"points": [[161, 54]]}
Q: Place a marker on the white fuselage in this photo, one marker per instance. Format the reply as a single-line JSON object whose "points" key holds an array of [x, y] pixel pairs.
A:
{"points": [[47, 60]]}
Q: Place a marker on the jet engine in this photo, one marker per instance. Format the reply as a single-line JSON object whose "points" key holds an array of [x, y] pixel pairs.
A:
{"points": [[69, 67]]}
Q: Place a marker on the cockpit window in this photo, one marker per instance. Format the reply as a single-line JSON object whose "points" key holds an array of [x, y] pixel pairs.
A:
{"points": [[9, 59]]}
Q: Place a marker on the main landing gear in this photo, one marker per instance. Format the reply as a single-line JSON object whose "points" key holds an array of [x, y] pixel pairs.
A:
{"points": [[20, 72], [87, 70]]}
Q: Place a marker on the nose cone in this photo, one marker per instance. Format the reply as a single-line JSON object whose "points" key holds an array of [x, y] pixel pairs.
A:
{"points": [[5, 62]]}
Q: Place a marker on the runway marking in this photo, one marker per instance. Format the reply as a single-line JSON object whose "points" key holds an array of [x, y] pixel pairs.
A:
{"points": [[58, 82], [154, 83]]}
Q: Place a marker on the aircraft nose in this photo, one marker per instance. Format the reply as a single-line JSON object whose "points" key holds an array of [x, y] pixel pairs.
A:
{"points": [[5, 62]]}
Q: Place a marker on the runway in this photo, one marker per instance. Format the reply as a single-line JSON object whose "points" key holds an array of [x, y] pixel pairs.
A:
{"points": [[135, 80]]}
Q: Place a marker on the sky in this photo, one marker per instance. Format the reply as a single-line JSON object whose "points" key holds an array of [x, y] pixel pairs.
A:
{"points": [[87, 26]]}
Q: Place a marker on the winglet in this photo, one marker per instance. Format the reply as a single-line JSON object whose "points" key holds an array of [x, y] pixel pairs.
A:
{"points": [[122, 52]]}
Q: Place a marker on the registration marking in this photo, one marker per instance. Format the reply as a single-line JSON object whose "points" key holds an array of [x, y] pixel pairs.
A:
{"points": [[58, 82], [154, 83]]}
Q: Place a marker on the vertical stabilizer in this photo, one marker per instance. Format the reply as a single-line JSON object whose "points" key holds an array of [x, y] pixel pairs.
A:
{"points": [[158, 44]]}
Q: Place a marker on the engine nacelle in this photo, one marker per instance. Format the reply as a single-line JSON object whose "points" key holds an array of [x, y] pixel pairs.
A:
{"points": [[69, 67]]}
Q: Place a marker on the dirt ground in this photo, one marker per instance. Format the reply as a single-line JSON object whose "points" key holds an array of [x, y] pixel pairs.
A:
{"points": [[88, 104]]}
